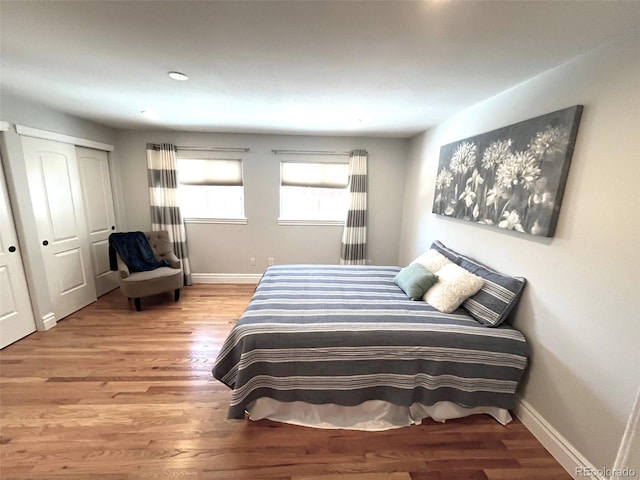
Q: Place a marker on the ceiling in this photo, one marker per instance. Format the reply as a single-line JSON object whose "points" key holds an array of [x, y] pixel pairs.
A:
{"points": [[379, 68]]}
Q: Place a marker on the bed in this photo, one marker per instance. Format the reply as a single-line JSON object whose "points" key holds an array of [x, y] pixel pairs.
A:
{"points": [[344, 347]]}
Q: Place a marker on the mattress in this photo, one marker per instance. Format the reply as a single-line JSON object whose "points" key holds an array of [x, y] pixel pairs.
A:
{"points": [[346, 335]]}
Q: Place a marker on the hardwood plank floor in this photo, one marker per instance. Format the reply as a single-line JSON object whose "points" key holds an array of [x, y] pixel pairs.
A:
{"points": [[114, 394]]}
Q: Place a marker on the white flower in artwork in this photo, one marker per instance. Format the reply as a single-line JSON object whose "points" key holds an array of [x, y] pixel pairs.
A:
{"points": [[530, 172], [550, 141], [519, 168], [444, 178], [536, 229], [494, 195], [506, 175], [464, 158], [475, 180], [496, 153], [511, 221], [469, 196], [544, 198]]}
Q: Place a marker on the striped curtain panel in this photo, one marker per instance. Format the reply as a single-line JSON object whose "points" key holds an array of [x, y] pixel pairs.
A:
{"points": [[163, 189], [354, 236]]}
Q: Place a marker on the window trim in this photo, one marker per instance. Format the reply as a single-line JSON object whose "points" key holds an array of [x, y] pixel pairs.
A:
{"points": [[220, 221], [314, 223]]}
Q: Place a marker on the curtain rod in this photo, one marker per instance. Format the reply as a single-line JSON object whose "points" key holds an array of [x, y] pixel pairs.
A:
{"points": [[214, 149], [308, 152]]}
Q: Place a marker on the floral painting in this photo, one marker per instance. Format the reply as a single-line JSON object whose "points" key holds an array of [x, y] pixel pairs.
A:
{"points": [[511, 178]]}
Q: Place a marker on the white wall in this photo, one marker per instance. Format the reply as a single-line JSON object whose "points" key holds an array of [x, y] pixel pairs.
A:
{"points": [[580, 307], [226, 249]]}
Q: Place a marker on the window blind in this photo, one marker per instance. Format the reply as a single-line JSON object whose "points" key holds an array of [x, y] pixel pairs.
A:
{"points": [[221, 172], [319, 175]]}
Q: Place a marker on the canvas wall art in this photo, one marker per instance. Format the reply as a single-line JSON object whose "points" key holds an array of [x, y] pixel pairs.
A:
{"points": [[512, 178]]}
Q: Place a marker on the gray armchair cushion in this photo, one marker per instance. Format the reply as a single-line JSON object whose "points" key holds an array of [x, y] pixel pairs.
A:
{"points": [[143, 284], [123, 270], [162, 247]]}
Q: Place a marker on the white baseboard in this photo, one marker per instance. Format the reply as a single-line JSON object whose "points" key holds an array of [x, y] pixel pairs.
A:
{"points": [[49, 321], [226, 277], [566, 454]]}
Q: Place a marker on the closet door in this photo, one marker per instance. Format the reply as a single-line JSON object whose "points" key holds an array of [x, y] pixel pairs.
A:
{"points": [[16, 316], [95, 179], [56, 196]]}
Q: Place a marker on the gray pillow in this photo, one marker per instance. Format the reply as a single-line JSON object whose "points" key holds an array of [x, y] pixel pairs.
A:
{"points": [[415, 280], [499, 294]]}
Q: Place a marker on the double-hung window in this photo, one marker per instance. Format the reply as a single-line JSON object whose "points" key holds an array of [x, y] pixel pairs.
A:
{"points": [[211, 190], [313, 192]]}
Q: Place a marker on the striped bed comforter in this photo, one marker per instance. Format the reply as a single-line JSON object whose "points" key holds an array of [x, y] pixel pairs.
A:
{"points": [[347, 334]]}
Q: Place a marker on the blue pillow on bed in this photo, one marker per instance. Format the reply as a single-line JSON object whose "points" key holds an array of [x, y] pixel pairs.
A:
{"points": [[447, 252], [415, 280], [499, 294]]}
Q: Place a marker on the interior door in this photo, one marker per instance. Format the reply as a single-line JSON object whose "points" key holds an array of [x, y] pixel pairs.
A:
{"points": [[56, 196], [95, 179], [16, 316]]}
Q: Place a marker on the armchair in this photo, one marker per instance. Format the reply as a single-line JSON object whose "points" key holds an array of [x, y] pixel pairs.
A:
{"points": [[137, 284]]}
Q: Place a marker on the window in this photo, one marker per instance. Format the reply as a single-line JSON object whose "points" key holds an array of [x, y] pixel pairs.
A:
{"points": [[313, 192], [211, 189]]}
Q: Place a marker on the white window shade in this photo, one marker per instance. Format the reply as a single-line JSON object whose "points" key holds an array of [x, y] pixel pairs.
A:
{"points": [[319, 175], [220, 172]]}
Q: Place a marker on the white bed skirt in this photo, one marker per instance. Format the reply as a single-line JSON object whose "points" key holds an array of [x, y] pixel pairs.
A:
{"points": [[373, 415]]}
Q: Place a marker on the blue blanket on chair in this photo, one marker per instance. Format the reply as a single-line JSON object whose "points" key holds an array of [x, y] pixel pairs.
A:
{"points": [[134, 250]]}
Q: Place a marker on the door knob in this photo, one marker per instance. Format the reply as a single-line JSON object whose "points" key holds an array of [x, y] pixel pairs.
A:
{"points": [[113, 227], [45, 243], [12, 249]]}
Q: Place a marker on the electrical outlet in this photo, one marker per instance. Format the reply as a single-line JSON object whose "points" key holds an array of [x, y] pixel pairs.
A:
{"points": [[252, 261], [270, 260]]}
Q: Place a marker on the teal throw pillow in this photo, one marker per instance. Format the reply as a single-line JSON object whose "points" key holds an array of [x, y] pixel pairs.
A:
{"points": [[415, 280]]}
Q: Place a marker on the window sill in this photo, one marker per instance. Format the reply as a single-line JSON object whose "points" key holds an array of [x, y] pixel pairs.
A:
{"points": [[332, 223], [225, 221]]}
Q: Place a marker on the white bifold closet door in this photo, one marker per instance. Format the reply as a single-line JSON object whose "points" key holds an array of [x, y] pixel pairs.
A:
{"points": [[16, 315], [95, 179], [56, 196]]}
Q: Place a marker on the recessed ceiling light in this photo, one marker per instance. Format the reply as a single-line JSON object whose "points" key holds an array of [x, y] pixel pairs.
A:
{"points": [[150, 113], [179, 76]]}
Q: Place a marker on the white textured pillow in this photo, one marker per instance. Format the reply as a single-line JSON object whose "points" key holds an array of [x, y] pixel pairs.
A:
{"points": [[454, 286], [432, 260]]}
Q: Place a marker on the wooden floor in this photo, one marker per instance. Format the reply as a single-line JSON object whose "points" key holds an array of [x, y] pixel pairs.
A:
{"points": [[110, 393]]}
